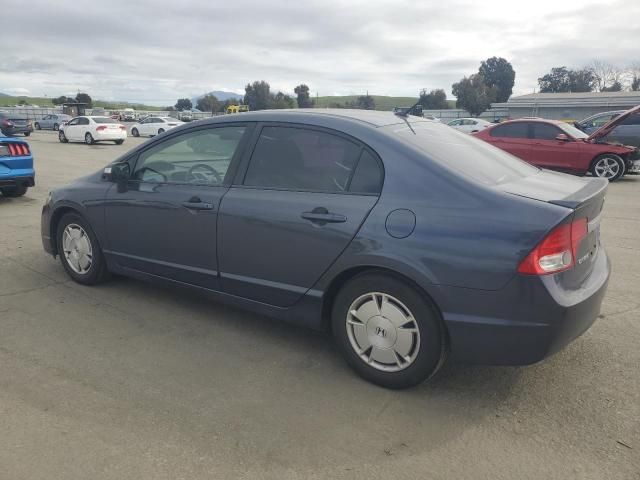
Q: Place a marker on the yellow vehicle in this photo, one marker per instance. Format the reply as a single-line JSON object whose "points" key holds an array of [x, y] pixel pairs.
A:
{"points": [[237, 108]]}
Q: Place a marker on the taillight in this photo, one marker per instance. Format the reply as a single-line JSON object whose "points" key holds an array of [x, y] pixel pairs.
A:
{"points": [[122, 127], [557, 251], [15, 149], [101, 128]]}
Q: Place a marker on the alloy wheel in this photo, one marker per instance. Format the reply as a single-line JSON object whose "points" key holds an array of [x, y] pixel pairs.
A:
{"points": [[607, 167]]}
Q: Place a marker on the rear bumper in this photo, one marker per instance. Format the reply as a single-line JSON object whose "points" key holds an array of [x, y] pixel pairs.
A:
{"points": [[530, 319], [17, 129], [101, 136], [18, 177]]}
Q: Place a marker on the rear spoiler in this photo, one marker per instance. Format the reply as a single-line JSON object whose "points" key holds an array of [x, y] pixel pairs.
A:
{"points": [[597, 187]]}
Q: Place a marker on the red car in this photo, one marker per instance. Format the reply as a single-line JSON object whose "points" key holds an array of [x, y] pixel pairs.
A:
{"points": [[559, 146]]}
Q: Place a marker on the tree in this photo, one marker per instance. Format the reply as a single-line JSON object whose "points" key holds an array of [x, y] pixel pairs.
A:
{"points": [[498, 72], [183, 104], [555, 81], [208, 103], [434, 100], [84, 98], [614, 87], [473, 94], [303, 99], [606, 75], [582, 80], [635, 83], [257, 95], [281, 100], [62, 99], [365, 102]]}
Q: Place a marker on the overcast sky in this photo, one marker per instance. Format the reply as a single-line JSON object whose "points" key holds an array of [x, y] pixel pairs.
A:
{"points": [[157, 51]]}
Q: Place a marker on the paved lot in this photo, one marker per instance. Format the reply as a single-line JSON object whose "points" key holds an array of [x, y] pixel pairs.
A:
{"points": [[132, 381]]}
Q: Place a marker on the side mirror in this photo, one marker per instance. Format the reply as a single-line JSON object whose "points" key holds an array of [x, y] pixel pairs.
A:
{"points": [[562, 138], [118, 172]]}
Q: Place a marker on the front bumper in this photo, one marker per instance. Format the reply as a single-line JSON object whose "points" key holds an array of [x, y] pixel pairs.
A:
{"points": [[633, 167], [528, 320]]}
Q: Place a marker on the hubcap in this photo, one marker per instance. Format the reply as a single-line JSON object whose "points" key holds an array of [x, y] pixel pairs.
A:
{"points": [[607, 168], [383, 332], [77, 248], [87, 138]]}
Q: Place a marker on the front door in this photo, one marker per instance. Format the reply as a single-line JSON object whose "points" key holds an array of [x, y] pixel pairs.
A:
{"points": [[73, 131], [551, 153], [164, 222], [297, 208]]}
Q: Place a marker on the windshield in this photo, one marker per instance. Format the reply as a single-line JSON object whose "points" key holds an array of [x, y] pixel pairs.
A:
{"points": [[103, 120], [464, 154], [571, 130]]}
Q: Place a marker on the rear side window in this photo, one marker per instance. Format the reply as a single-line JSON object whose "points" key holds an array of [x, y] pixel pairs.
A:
{"points": [[302, 159], [544, 131], [83, 121], [368, 175], [511, 130]]}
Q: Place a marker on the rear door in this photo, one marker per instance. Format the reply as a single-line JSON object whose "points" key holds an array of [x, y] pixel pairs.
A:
{"points": [[555, 154], [513, 138], [294, 208]]}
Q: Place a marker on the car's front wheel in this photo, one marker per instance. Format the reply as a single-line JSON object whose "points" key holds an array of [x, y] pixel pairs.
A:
{"points": [[56, 127], [609, 166], [135, 132], [16, 191], [79, 251], [36, 126], [61, 137], [387, 331]]}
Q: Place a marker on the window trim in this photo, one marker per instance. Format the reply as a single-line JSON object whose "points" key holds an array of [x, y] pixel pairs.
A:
{"points": [[243, 167], [233, 165]]}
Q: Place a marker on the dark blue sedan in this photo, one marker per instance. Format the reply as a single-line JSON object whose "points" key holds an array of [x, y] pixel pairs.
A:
{"points": [[407, 240]]}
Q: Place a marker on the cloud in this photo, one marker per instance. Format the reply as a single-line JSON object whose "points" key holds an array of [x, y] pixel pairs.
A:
{"points": [[156, 51]]}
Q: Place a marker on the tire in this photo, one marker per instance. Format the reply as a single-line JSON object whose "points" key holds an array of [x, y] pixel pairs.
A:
{"points": [[75, 259], [62, 137], [399, 311], [56, 127], [36, 126], [13, 192], [135, 132], [26, 134], [88, 139], [609, 166], [160, 130], [119, 142]]}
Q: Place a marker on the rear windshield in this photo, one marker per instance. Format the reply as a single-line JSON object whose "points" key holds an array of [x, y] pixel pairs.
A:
{"points": [[464, 154], [103, 120]]}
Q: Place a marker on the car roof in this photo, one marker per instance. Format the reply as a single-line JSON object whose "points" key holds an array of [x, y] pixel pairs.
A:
{"points": [[372, 118]]}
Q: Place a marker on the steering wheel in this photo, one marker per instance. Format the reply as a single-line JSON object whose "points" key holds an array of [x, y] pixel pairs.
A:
{"points": [[202, 176], [140, 173]]}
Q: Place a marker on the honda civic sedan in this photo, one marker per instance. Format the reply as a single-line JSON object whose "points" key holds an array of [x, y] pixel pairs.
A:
{"points": [[91, 130], [406, 240]]}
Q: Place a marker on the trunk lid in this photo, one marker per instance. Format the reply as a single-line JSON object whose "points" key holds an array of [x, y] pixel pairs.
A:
{"points": [[584, 199], [607, 128]]}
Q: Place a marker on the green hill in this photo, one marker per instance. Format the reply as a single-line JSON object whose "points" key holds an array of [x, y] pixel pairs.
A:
{"points": [[10, 101], [382, 102]]}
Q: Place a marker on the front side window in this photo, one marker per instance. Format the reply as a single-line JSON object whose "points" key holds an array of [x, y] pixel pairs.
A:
{"points": [[302, 159], [544, 131], [75, 121], [201, 157], [511, 130]]}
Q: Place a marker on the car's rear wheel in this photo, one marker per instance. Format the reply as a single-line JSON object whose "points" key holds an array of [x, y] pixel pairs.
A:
{"points": [[160, 130], [15, 191], [88, 139], [609, 166], [26, 134], [56, 127], [36, 126], [135, 132], [387, 331], [62, 137], [119, 142], [79, 251]]}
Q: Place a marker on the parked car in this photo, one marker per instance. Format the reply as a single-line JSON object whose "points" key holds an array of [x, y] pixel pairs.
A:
{"points": [[16, 167], [91, 130], [627, 132], [559, 146], [51, 122], [12, 124], [154, 126], [128, 115], [405, 239], [469, 125]]}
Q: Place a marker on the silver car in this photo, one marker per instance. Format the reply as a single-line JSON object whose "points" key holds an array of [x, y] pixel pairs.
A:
{"points": [[51, 122]]}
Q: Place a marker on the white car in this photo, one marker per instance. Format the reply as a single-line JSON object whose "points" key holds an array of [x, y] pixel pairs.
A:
{"points": [[469, 125], [91, 129], [154, 126]]}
